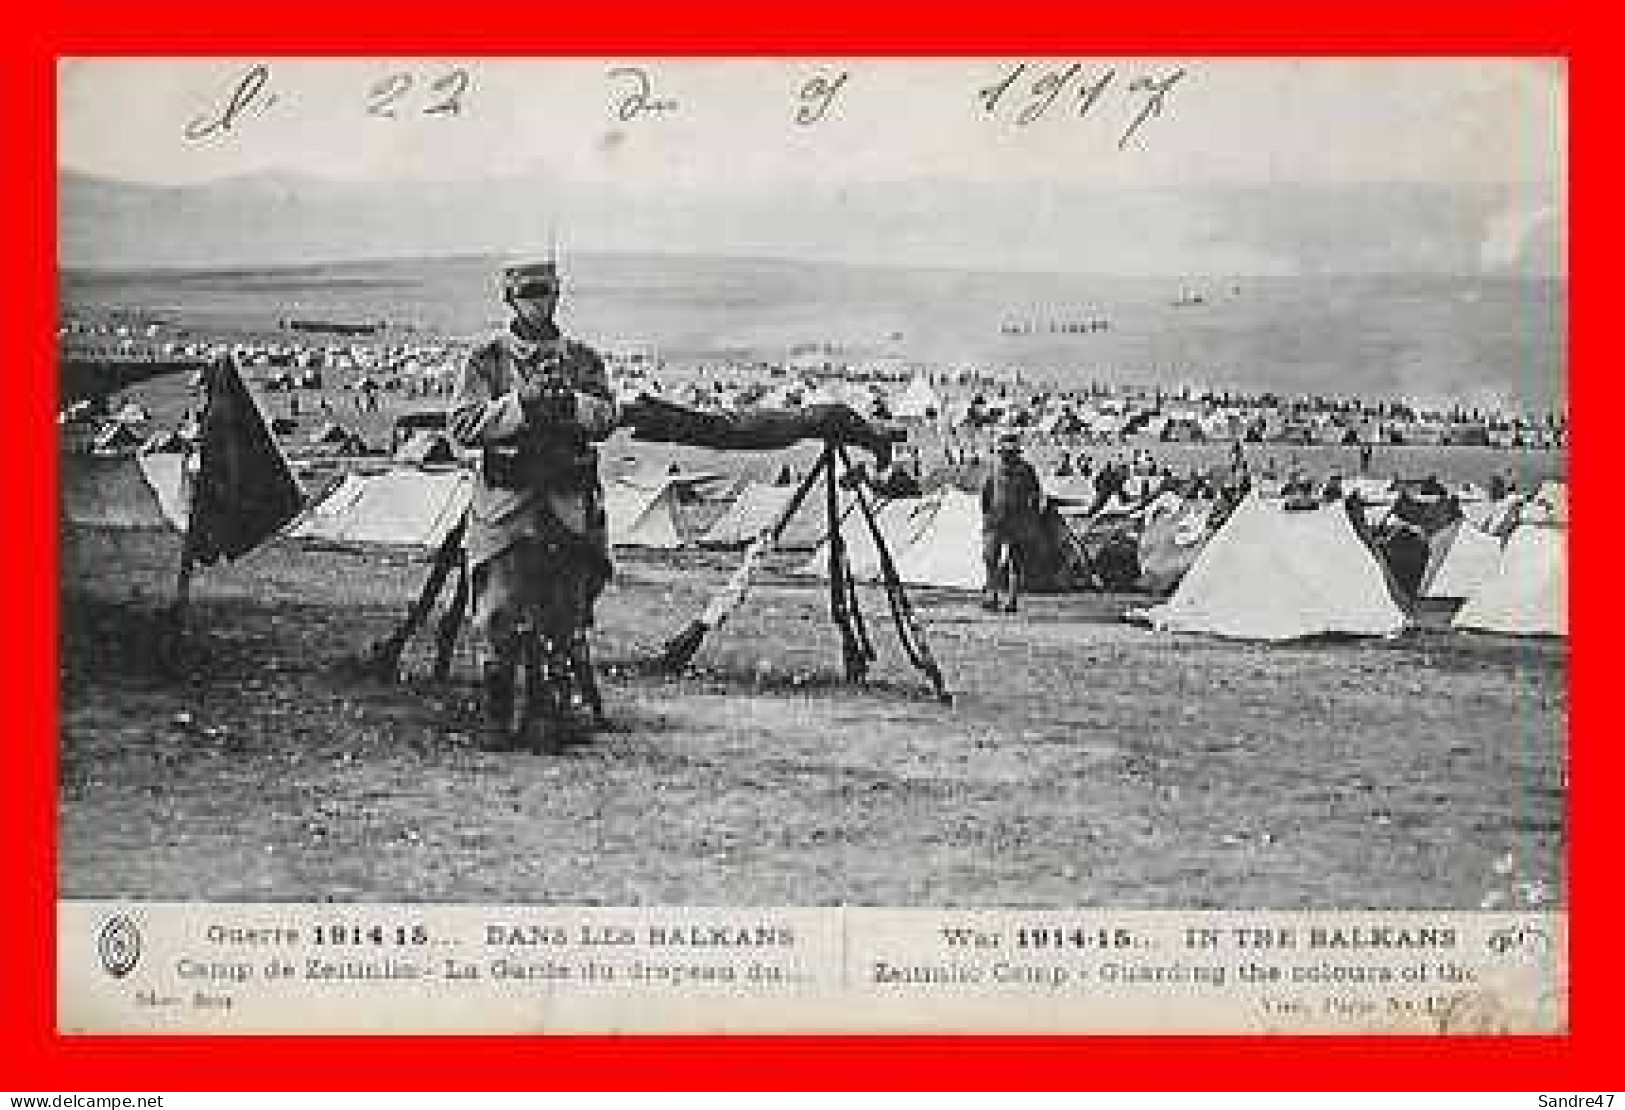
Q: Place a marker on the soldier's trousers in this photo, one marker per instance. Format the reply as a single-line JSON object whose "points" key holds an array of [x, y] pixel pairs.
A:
{"points": [[534, 584], [1001, 562]]}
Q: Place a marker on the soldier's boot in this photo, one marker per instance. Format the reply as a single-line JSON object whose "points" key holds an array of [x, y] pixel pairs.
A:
{"points": [[541, 717], [496, 703], [1015, 589], [586, 682]]}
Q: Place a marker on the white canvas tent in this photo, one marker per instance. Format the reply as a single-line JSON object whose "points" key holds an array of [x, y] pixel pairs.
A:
{"points": [[1549, 505], [1463, 558], [1073, 490], [810, 525], [901, 521], [1174, 534], [427, 447], [1274, 574], [406, 507], [1498, 518], [753, 512], [687, 485], [167, 476], [642, 515], [826, 393], [918, 401], [107, 493], [1371, 491], [1528, 594], [948, 549], [934, 540], [132, 413], [785, 396], [860, 398]]}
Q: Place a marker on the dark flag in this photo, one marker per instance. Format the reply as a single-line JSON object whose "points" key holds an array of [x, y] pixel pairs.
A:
{"points": [[243, 491], [654, 420]]}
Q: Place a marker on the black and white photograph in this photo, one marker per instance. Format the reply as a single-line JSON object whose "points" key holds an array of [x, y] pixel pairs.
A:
{"points": [[979, 482]]}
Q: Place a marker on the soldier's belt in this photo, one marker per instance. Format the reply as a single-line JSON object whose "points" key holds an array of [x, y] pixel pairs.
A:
{"points": [[539, 468]]}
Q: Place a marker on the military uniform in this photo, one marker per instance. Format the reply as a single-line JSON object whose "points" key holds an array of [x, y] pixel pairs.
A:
{"points": [[537, 506], [1012, 506]]}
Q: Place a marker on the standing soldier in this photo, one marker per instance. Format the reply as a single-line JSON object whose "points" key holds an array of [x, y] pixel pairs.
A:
{"points": [[1012, 510], [533, 402]]}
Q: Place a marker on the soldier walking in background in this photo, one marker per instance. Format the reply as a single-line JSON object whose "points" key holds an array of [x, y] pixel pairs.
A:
{"points": [[534, 402], [1012, 506]]}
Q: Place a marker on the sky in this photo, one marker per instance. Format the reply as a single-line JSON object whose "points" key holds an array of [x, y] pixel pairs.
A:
{"points": [[1130, 164], [1221, 120]]}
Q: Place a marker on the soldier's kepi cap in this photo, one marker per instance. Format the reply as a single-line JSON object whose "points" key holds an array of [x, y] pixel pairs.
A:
{"points": [[527, 277]]}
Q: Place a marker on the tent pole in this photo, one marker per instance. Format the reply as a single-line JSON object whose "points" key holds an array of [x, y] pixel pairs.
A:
{"points": [[183, 592], [171, 623]]}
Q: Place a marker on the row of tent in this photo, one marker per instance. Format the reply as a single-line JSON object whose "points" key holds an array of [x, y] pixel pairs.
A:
{"points": [[934, 538], [417, 507], [1265, 572], [406, 507], [1270, 570], [1277, 573]]}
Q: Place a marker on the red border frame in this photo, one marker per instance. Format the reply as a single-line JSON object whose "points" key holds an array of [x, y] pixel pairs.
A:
{"points": [[37, 1059]]}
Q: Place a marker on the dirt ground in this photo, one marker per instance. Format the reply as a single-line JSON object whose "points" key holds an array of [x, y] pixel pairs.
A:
{"points": [[1083, 761]]}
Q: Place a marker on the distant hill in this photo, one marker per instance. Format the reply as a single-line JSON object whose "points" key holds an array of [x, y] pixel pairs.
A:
{"points": [[1489, 341], [1263, 230]]}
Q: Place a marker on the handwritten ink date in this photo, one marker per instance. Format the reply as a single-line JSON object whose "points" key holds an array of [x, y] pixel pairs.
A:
{"points": [[816, 96], [1031, 94], [640, 98], [248, 96], [1157, 91], [392, 94]]}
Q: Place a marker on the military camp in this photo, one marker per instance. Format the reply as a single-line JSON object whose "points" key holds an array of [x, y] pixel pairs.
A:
{"points": [[1245, 670], [1064, 490]]}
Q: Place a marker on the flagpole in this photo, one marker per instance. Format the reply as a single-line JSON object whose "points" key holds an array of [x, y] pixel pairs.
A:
{"points": [[183, 589], [183, 579]]}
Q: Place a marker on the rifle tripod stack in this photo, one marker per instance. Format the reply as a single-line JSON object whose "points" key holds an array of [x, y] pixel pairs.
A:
{"points": [[857, 649]]}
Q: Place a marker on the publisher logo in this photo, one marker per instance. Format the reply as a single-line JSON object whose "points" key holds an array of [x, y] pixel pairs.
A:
{"points": [[119, 945], [1519, 938]]}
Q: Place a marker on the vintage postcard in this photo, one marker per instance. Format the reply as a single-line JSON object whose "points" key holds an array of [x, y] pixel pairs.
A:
{"points": [[646, 544]]}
